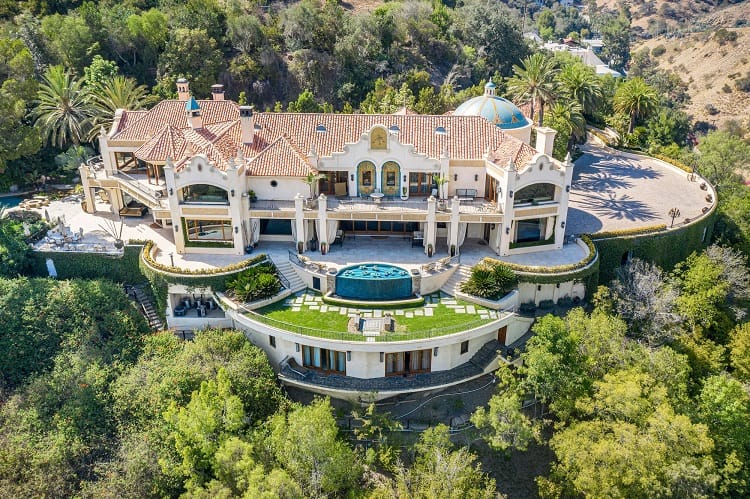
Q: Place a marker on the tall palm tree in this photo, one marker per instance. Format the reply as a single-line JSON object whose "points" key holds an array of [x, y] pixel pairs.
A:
{"points": [[580, 83], [115, 93], [567, 116], [535, 82], [637, 99], [62, 110]]}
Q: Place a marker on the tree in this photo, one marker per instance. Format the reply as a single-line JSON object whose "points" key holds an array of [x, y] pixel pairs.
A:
{"points": [[306, 443], [567, 118], [18, 88], [635, 99], [305, 103], [616, 38], [579, 82], [739, 354], [70, 40], [192, 54], [213, 415], [643, 296], [506, 426], [112, 94], [722, 157], [535, 82], [438, 472], [62, 109], [99, 71]]}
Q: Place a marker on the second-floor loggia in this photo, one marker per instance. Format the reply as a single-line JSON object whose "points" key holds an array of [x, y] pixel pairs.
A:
{"points": [[204, 194], [539, 193]]}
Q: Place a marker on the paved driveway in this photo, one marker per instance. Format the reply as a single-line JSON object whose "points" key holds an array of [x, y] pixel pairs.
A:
{"points": [[614, 190]]}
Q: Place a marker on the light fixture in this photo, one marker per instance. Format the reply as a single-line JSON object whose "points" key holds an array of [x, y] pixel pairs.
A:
{"points": [[171, 192], [492, 226], [567, 188], [558, 285], [507, 230], [435, 352], [538, 287], [404, 177], [562, 224], [510, 194], [476, 178], [177, 228], [455, 177], [348, 355], [351, 177], [296, 347], [382, 356], [232, 192], [236, 230]]}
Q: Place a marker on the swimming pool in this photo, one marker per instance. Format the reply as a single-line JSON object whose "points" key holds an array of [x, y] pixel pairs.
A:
{"points": [[373, 281], [10, 201]]}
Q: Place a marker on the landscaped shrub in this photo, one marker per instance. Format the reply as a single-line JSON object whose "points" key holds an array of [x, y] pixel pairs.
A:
{"points": [[255, 283], [490, 280], [546, 304], [527, 308]]}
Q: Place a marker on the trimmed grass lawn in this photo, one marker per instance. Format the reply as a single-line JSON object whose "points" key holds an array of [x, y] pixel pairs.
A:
{"points": [[445, 320]]}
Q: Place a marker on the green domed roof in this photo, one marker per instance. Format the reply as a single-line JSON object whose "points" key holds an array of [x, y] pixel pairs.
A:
{"points": [[499, 111]]}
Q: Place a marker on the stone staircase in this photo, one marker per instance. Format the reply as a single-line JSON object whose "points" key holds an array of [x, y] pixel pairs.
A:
{"points": [[452, 285], [146, 306], [285, 268]]}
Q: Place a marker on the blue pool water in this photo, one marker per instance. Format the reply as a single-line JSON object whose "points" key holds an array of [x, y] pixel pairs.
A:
{"points": [[10, 201], [373, 281]]}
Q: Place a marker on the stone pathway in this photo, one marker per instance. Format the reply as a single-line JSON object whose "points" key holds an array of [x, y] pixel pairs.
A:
{"points": [[310, 301]]}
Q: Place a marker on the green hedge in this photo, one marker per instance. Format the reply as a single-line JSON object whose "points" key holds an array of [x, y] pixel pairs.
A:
{"points": [[122, 269], [664, 249]]}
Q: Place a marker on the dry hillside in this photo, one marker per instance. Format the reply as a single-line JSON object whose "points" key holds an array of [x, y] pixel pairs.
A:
{"points": [[714, 72]]}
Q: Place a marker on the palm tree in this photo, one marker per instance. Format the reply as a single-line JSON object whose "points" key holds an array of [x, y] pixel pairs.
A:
{"points": [[535, 82], [115, 93], [637, 99], [62, 109], [312, 181], [580, 83], [566, 116]]}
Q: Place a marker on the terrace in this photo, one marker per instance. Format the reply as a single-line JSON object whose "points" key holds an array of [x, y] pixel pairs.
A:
{"points": [[307, 314]]}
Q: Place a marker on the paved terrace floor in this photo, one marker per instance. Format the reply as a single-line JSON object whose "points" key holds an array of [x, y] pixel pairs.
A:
{"points": [[614, 190], [397, 250]]}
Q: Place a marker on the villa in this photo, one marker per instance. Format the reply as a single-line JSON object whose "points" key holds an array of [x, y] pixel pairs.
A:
{"points": [[372, 222]]}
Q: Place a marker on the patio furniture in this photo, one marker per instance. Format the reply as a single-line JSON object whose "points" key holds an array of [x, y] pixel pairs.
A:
{"points": [[466, 194], [179, 311], [417, 238], [339, 238]]}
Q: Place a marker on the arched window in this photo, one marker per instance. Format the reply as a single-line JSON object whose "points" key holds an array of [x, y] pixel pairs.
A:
{"points": [[365, 178], [391, 181], [204, 193], [535, 193]]}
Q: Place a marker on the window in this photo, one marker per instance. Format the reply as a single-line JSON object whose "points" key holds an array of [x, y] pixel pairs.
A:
{"points": [[464, 347], [415, 361], [272, 341], [324, 360], [203, 193], [367, 178], [390, 179], [208, 230]]}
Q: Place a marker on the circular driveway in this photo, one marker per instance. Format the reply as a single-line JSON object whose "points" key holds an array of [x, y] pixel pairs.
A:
{"points": [[615, 190]]}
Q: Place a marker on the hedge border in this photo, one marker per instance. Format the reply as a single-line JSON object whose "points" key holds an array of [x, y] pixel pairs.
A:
{"points": [[651, 229], [558, 269]]}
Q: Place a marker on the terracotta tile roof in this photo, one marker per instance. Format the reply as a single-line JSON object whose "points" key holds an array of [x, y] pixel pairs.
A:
{"points": [[169, 143], [128, 118], [282, 140], [280, 158], [172, 112]]}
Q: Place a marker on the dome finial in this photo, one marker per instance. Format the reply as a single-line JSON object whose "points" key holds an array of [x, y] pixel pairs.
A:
{"points": [[489, 89]]}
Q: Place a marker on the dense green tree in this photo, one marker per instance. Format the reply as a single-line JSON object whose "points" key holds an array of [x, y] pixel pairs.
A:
{"points": [[438, 472], [668, 127], [18, 88], [722, 158], [739, 354], [535, 83], [305, 103], [62, 110], [70, 40], [635, 99], [580, 82], [616, 38], [567, 118], [192, 54], [305, 441]]}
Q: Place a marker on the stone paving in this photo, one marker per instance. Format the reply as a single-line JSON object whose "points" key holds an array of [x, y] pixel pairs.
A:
{"points": [[615, 190], [306, 301]]}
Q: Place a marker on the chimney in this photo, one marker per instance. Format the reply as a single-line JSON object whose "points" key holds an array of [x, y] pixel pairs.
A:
{"points": [[248, 124], [183, 89], [217, 92], [193, 111], [545, 139]]}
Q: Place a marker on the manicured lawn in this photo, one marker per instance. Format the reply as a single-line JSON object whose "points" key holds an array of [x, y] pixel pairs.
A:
{"points": [[331, 323]]}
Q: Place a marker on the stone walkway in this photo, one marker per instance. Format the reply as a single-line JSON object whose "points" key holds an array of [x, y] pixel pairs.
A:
{"points": [[307, 301]]}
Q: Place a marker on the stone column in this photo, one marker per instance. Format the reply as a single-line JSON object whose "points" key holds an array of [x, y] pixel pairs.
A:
{"points": [[88, 191], [455, 217], [322, 221], [430, 229], [562, 216], [299, 221], [170, 178], [235, 186], [505, 234]]}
